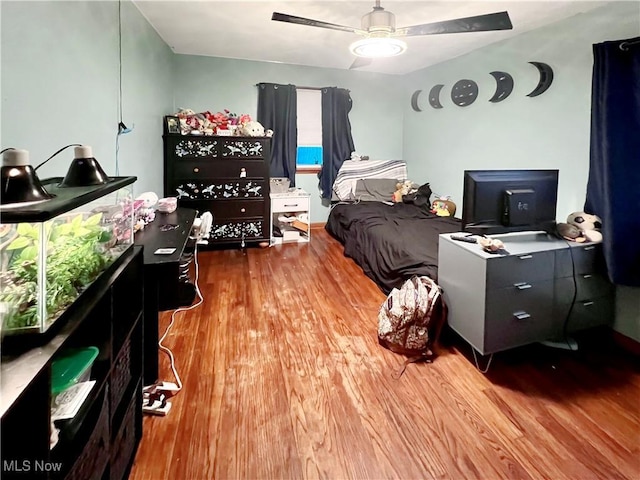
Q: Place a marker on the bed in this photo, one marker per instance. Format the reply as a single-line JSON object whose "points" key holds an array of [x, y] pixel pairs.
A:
{"points": [[390, 241]]}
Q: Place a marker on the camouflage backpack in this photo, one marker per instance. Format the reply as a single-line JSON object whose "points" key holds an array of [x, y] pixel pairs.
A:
{"points": [[411, 318]]}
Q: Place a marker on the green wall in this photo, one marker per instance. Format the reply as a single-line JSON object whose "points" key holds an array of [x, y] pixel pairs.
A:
{"points": [[60, 84], [548, 131], [207, 83], [60, 81]]}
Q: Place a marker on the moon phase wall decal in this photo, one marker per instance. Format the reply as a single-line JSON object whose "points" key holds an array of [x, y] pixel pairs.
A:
{"points": [[464, 92], [434, 96], [504, 86], [546, 77], [414, 101]]}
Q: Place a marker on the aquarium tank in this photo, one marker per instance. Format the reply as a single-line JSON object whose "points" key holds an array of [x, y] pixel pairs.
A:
{"points": [[52, 251]]}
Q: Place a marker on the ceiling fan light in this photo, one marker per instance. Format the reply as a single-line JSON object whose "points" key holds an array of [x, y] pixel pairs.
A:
{"points": [[377, 47]]}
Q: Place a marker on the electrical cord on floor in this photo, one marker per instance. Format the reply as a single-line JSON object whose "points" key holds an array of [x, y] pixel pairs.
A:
{"points": [[161, 391]]}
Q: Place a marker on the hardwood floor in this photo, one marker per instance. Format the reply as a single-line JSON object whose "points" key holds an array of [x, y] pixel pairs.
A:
{"points": [[284, 379]]}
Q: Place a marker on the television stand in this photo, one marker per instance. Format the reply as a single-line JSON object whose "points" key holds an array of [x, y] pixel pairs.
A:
{"points": [[543, 289]]}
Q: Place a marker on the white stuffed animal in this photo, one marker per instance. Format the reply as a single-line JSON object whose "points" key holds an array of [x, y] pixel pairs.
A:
{"points": [[252, 129]]}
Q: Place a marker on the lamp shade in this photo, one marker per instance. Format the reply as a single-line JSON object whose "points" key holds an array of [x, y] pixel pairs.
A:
{"points": [[20, 184], [84, 170]]}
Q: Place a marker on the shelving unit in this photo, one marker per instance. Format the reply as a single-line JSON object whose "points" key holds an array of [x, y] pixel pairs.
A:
{"points": [[295, 206], [101, 440]]}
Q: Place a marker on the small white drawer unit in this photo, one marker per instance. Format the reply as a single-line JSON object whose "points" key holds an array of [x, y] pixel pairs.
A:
{"points": [[290, 217]]}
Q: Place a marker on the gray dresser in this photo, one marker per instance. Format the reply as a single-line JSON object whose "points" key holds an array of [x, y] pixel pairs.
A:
{"points": [[542, 289]]}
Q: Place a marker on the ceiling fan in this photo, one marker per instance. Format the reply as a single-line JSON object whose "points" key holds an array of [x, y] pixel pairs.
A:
{"points": [[381, 35]]}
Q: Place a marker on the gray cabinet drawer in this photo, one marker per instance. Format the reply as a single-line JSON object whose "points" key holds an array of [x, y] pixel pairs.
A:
{"points": [[517, 317], [590, 286], [581, 259], [591, 313], [509, 270]]}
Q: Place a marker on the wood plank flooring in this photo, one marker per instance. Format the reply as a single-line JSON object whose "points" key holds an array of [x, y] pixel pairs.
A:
{"points": [[284, 379]]}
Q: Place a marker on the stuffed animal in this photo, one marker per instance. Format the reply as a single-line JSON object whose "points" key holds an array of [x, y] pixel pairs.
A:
{"points": [[443, 207], [252, 129], [491, 245], [404, 188], [588, 224], [570, 232]]}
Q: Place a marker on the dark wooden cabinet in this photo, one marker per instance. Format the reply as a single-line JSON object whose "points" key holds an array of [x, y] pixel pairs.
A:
{"points": [[101, 440], [227, 176]]}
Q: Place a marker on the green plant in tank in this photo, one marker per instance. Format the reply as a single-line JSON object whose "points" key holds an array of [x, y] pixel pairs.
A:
{"points": [[74, 259]]}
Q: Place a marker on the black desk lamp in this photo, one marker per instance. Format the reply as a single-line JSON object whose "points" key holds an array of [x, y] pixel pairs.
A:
{"points": [[20, 184]]}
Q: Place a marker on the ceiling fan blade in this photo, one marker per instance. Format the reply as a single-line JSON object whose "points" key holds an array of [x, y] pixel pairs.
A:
{"points": [[479, 23], [283, 17], [361, 62]]}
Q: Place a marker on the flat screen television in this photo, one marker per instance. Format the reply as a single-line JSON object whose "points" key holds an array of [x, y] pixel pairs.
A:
{"points": [[503, 201]]}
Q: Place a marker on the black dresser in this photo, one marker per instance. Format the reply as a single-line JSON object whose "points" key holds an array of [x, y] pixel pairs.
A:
{"points": [[227, 176]]}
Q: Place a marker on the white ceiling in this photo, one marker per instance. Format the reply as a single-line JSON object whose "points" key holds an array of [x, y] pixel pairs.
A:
{"points": [[242, 29]]}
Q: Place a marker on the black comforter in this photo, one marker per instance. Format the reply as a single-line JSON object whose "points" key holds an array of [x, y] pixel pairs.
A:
{"points": [[390, 242]]}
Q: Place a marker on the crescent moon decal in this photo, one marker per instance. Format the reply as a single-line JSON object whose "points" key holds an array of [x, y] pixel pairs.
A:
{"points": [[504, 86], [546, 77], [464, 92], [414, 100], [434, 96]]}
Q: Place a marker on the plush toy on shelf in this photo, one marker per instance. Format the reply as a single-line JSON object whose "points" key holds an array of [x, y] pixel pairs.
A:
{"points": [[252, 129], [588, 224]]}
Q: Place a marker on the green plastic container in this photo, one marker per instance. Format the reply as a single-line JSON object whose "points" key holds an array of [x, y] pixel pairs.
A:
{"points": [[71, 367]]}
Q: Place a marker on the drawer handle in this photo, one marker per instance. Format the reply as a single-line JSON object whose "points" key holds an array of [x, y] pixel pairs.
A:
{"points": [[525, 257], [521, 315], [522, 285], [591, 247], [587, 276], [196, 170], [242, 210], [243, 172], [587, 304], [290, 205]]}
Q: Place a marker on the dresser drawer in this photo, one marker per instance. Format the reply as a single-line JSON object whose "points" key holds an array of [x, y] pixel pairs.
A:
{"points": [[217, 168], [244, 148], [218, 189], [239, 209], [182, 148], [294, 204], [517, 317], [226, 231], [510, 270], [591, 313], [590, 286]]}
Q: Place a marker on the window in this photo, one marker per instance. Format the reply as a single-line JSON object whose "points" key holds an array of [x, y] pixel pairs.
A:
{"points": [[309, 124]]}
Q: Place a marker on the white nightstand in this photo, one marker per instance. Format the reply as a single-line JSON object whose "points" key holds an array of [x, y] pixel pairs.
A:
{"points": [[290, 215]]}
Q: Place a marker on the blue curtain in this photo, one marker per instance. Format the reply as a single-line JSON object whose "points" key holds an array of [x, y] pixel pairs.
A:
{"points": [[337, 142], [277, 105], [613, 189]]}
